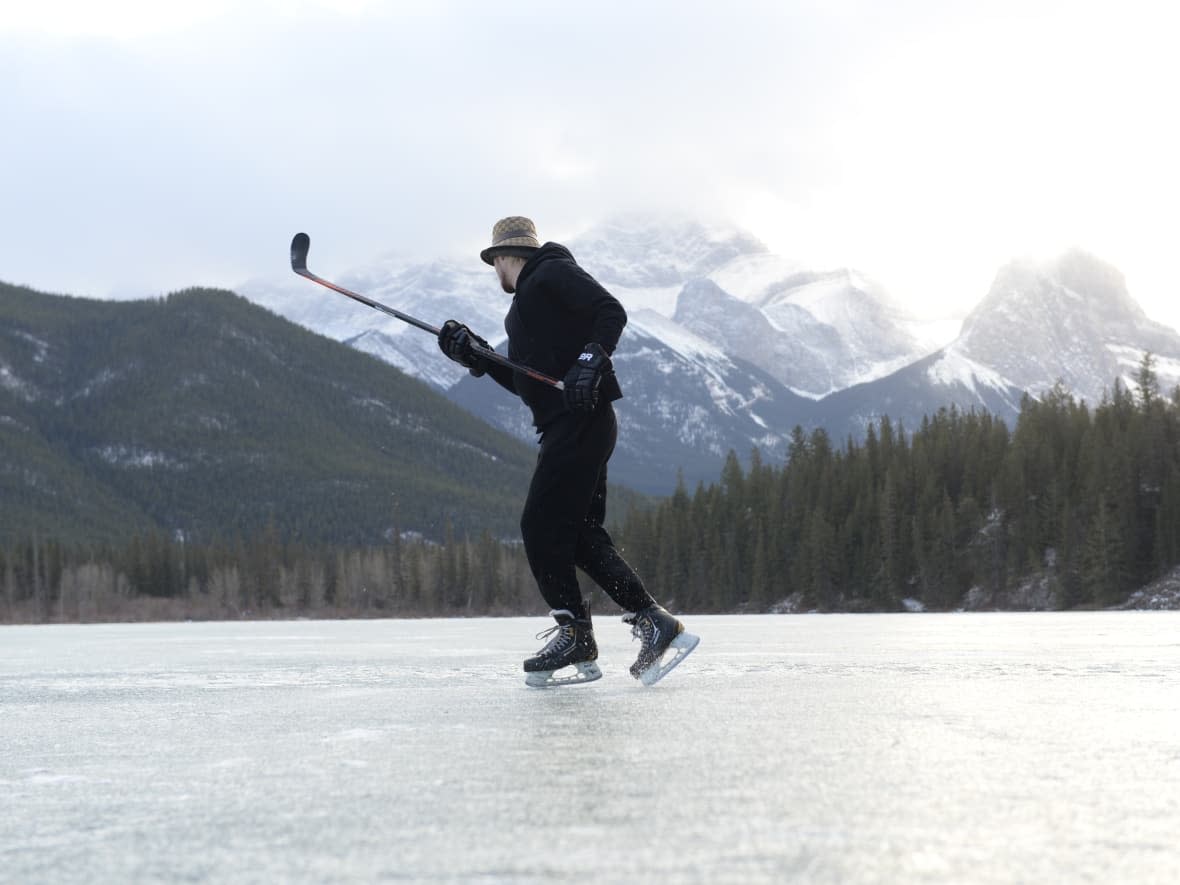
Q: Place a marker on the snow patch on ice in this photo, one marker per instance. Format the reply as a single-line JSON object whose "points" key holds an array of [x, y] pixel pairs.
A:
{"points": [[42, 776], [355, 734]]}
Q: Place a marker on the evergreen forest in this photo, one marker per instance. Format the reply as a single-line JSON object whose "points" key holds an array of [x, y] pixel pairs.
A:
{"points": [[1074, 507], [202, 416]]}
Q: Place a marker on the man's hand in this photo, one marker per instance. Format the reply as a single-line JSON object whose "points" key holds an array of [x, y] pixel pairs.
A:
{"points": [[455, 340], [582, 380]]}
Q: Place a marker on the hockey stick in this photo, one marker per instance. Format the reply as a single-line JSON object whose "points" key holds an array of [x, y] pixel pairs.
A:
{"points": [[299, 248]]}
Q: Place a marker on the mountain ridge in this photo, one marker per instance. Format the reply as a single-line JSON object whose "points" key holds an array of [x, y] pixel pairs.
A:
{"points": [[830, 336], [201, 414]]}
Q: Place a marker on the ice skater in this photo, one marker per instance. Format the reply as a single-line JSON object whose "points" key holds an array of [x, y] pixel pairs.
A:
{"points": [[562, 322]]}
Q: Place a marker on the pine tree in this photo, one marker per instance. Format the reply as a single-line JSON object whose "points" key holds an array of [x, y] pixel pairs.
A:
{"points": [[888, 586]]}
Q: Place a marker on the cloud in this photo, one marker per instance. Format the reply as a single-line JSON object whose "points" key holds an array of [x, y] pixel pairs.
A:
{"points": [[162, 146]]}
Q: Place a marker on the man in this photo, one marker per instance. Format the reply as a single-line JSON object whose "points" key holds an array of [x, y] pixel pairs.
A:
{"points": [[562, 323]]}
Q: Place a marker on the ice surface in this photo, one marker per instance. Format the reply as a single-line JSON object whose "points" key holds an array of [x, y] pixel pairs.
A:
{"points": [[843, 748]]}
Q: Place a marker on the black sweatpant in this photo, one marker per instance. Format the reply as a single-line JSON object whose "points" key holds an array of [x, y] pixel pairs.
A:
{"points": [[563, 514]]}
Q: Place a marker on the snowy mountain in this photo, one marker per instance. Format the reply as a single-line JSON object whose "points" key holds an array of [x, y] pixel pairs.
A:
{"points": [[941, 380], [202, 416], [1070, 319], [686, 404], [729, 346], [642, 253], [433, 291], [815, 331]]}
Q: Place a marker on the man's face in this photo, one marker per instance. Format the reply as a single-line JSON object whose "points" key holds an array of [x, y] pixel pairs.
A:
{"points": [[500, 262]]}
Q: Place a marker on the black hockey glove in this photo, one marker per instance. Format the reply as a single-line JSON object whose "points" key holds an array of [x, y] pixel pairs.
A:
{"points": [[582, 380], [455, 340]]}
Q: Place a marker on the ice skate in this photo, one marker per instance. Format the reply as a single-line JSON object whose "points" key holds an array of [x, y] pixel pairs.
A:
{"points": [[659, 633], [572, 645]]}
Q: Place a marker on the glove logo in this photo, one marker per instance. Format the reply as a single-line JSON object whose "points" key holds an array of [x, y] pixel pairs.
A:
{"points": [[585, 357]]}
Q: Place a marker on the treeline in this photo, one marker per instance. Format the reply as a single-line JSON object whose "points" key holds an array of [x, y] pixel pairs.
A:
{"points": [[1076, 507], [153, 577]]}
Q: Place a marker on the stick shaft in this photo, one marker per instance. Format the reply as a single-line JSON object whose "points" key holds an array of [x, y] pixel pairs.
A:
{"points": [[376, 305], [299, 248]]}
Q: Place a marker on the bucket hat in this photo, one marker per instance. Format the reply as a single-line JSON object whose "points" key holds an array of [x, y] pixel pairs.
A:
{"points": [[514, 235]]}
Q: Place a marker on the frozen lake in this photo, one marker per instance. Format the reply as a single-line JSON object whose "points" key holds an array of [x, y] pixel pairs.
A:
{"points": [[841, 748]]}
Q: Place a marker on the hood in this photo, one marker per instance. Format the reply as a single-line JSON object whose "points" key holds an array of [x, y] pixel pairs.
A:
{"points": [[548, 254]]}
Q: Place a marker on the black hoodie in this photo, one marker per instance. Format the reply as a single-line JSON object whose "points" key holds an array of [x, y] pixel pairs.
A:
{"points": [[558, 309]]}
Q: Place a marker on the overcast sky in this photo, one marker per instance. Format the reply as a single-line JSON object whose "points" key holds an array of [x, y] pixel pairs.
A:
{"points": [[150, 146]]}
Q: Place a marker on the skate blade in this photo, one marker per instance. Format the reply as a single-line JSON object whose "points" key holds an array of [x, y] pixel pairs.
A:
{"points": [[682, 646], [585, 671]]}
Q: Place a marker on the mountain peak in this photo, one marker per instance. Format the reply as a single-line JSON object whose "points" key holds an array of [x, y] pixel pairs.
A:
{"points": [[1070, 318], [1073, 280], [1081, 272], [640, 249]]}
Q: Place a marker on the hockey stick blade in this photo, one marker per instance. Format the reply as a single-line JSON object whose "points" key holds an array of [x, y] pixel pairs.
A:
{"points": [[301, 243], [299, 247]]}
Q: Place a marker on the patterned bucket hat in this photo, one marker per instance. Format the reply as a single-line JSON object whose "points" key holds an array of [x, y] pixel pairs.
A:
{"points": [[514, 235]]}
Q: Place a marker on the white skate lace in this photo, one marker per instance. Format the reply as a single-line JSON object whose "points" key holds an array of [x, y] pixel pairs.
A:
{"points": [[567, 630], [565, 635], [641, 629]]}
